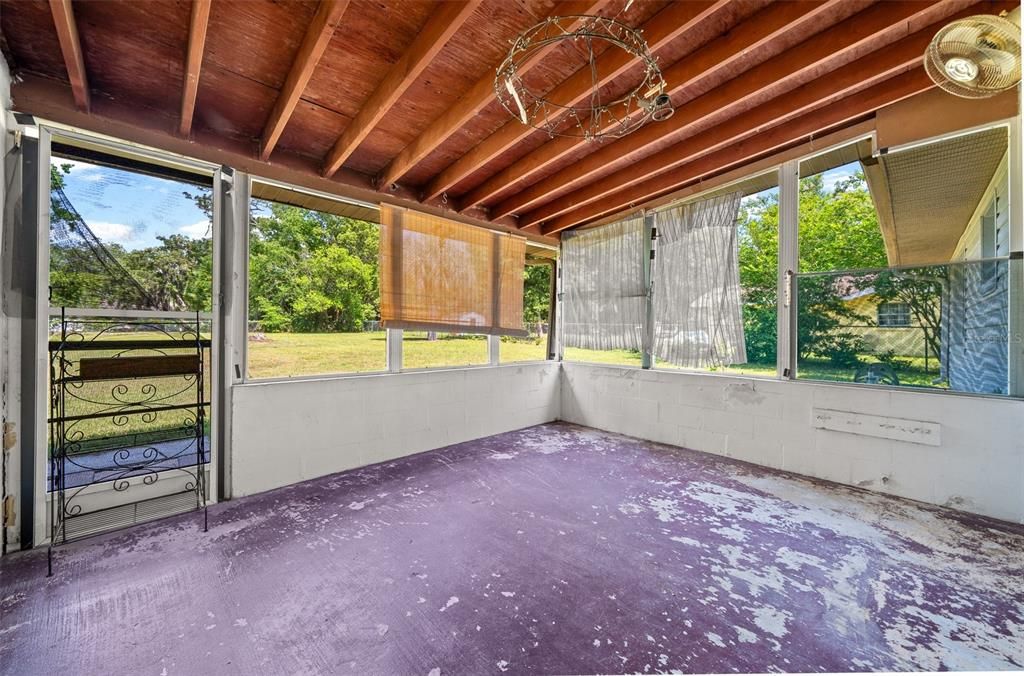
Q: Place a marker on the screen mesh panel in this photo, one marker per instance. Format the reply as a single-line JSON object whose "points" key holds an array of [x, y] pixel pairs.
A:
{"points": [[698, 315], [603, 291]]}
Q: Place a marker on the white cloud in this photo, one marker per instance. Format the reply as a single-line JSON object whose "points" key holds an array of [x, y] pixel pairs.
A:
{"points": [[82, 171], [200, 230], [112, 232]]}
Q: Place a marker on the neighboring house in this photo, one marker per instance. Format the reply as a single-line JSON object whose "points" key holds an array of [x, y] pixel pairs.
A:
{"points": [[893, 325]]}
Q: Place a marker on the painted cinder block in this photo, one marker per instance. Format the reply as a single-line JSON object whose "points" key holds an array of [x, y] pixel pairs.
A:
{"points": [[728, 422], [284, 432], [682, 415], [976, 464]]}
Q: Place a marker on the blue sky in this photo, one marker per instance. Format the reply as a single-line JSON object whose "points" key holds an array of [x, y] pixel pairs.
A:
{"points": [[834, 176], [131, 209]]}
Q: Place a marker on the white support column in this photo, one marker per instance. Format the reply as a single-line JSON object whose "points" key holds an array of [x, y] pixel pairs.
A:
{"points": [[41, 532], [788, 264], [493, 350], [556, 312], [647, 353], [394, 350], [231, 310], [1016, 285]]}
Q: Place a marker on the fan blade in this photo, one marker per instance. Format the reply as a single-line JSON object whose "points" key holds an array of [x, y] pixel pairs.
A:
{"points": [[1005, 62], [968, 34]]}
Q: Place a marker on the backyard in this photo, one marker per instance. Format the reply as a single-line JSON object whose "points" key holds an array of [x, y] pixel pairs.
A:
{"points": [[295, 354]]}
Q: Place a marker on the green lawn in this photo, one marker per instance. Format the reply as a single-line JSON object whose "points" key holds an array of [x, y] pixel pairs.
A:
{"points": [[914, 375], [298, 354], [118, 428], [281, 355]]}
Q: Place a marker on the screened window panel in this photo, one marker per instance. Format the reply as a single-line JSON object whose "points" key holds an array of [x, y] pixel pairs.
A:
{"points": [[603, 287], [441, 275], [698, 315]]}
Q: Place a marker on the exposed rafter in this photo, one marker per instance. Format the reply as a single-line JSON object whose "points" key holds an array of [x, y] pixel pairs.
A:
{"points": [[760, 28], [815, 122], [430, 40], [194, 62], [71, 48], [665, 26], [840, 82], [471, 103], [883, 23], [314, 44]]}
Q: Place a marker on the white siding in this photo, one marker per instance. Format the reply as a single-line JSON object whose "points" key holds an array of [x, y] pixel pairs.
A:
{"points": [[970, 246]]}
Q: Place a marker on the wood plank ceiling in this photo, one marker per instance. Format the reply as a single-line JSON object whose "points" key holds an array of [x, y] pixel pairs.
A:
{"points": [[394, 99]]}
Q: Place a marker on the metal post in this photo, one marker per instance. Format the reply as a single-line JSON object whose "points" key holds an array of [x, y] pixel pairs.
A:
{"points": [[556, 312], [394, 350], [788, 265], [1015, 344], [552, 349], [493, 349], [647, 354]]}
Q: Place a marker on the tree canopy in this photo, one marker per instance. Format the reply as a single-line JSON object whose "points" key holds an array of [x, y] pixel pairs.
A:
{"points": [[311, 271], [838, 231]]}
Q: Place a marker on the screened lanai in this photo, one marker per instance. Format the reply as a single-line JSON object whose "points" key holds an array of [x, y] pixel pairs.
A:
{"points": [[511, 336]]}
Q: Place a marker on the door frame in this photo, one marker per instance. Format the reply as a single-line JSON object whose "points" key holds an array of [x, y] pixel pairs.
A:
{"points": [[48, 132]]}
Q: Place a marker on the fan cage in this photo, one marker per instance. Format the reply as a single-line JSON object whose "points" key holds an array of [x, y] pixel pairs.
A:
{"points": [[992, 43]]}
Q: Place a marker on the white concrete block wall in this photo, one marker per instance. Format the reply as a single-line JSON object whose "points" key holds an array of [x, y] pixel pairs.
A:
{"points": [[978, 467], [284, 432]]}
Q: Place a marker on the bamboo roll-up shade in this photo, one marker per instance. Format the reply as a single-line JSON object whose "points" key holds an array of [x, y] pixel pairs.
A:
{"points": [[441, 275]]}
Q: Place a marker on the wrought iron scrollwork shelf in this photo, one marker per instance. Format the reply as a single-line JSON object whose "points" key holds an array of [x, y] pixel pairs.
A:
{"points": [[128, 406]]}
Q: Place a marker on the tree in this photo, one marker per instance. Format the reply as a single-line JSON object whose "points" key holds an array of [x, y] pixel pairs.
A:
{"points": [[838, 231], [758, 251], [310, 270], [537, 294], [177, 274]]}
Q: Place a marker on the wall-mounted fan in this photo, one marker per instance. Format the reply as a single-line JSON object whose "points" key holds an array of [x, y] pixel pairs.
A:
{"points": [[976, 57]]}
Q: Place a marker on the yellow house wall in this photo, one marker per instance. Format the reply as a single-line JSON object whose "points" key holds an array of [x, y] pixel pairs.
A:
{"points": [[904, 342]]}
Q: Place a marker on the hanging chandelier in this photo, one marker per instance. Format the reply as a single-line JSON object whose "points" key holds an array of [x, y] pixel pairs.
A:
{"points": [[591, 118]]}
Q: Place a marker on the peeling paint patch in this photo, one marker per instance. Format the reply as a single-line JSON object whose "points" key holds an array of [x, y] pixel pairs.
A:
{"points": [[684, 563]]}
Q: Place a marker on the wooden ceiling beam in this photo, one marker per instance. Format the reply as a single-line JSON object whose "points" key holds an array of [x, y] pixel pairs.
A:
{"points": [[52, 100], [840, 82], [443, 24], [71, 49], [795, 131], [314, 44], [193, 62], [882, 23], [471, 103], [710, 59], [662, 28]]}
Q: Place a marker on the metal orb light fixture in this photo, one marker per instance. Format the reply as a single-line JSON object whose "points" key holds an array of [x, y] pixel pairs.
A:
{"points": [[591, 117]]}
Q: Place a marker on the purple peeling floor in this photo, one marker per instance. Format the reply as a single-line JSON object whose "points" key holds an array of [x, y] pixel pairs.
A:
{"points": [[555, 549]]}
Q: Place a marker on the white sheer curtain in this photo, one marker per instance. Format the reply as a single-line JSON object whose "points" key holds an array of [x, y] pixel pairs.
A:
{"points": [[698, 314], [603, 295]]}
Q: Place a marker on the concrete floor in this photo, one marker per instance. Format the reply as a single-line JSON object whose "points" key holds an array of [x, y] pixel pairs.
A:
{"points": [[556, 549]]}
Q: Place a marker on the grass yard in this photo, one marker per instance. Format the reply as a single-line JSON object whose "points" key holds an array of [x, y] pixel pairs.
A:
{"points": [[282, 355], [914, 375], [298, 354], [122, 403]]}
